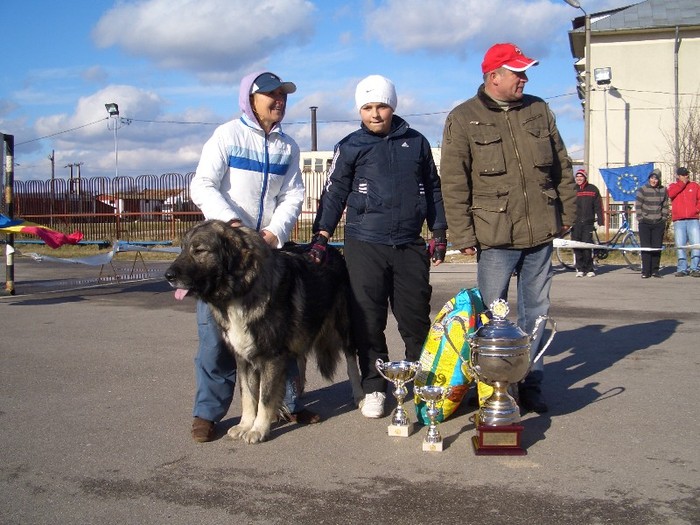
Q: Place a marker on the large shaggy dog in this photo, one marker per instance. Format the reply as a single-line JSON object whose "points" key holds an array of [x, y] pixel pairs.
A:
{"points": [[269, 304]]}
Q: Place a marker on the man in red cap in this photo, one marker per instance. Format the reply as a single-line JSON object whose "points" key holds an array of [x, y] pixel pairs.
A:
{"points": [[508, 188]]}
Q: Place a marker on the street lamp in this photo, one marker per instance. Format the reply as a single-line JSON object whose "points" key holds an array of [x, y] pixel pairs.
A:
{"points": [[587, 80], [116, 123]]}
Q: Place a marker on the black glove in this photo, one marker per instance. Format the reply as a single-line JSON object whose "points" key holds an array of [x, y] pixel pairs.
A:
{"points": [[317, 251], [437, 247]]}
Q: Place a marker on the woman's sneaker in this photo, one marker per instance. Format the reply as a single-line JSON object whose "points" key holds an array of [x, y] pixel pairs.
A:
{"points": [[372, 405]]}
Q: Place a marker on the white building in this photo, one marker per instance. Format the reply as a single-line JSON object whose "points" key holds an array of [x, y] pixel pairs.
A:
{"points": [[650, 51], [315, 166]]}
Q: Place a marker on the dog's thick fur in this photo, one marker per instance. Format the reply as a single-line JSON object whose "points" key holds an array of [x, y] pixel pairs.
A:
{"points": [[270, 304]]}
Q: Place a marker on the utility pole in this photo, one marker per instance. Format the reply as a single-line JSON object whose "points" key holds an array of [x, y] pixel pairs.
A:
{"points": [[79, 180], [70, 183], [52, 158], [7, 151], [72, 180]]}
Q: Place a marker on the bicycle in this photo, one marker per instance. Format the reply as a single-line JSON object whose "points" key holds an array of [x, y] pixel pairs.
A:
{"points": [[624, 237]]}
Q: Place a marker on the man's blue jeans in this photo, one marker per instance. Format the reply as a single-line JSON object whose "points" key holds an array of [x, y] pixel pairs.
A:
{"points": [[687, 232], [534, 280], [215, 372]]}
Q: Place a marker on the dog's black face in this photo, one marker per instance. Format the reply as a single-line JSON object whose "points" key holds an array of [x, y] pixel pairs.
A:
{"points": [[218, 262]]}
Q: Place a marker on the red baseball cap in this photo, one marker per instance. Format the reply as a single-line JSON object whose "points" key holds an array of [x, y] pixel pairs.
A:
{"points": [[508, 56]]}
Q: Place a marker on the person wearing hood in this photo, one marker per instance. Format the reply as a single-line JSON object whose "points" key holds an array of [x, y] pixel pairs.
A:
{"points": [[249, 175], [651, 207], [385, 176], [589, 210]]}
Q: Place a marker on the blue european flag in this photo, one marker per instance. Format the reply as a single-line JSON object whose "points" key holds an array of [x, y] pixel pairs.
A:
{"points": [[623, 182]]}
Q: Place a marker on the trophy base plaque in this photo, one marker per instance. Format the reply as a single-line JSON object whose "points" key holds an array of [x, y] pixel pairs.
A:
{"points": [[498, 441], [400, 430], [432, 447]]}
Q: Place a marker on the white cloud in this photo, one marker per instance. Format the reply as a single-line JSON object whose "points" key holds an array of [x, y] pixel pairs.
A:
{"points": [[465, 27], [206, 36]]}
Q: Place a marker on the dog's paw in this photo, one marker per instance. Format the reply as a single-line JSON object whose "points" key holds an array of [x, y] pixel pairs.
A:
{"points": [[255, 436], [238, 432]]}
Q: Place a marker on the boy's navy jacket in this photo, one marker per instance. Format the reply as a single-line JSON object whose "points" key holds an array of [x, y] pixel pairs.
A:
{"points": [[389, 184]]}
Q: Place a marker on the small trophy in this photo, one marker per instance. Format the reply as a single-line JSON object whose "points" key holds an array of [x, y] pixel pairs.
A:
{"points": [[433, 395], [399, 373]]}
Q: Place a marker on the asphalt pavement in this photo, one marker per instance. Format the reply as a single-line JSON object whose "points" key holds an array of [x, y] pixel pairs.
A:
{"points": [[96, 388]]}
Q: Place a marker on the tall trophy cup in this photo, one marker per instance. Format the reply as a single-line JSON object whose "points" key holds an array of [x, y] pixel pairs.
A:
{"points": [[500, 356], [399, 373], [433, 395]]}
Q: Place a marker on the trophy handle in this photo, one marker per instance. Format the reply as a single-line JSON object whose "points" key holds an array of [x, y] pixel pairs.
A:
{"points": [[543, 319], [378, 364]]}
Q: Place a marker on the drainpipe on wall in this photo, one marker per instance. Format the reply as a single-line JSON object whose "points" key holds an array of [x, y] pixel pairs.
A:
{"points": [[676, 46]]}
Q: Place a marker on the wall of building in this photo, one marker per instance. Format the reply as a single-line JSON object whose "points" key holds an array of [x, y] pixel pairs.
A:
{"points": [[638, 112]]}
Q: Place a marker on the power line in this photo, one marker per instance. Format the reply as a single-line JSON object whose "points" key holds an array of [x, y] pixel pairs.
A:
{"points": [[338, 121], [61, 132]]}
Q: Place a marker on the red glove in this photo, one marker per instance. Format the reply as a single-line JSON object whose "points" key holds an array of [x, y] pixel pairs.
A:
{"points": [[317, 251], [437, 248]]}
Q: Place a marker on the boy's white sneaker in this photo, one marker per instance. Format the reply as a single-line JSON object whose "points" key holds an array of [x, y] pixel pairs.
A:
{"points": [[372, 405]]}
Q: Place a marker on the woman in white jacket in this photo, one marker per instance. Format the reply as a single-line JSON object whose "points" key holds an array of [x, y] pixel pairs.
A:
{"points": [[248, 175]]}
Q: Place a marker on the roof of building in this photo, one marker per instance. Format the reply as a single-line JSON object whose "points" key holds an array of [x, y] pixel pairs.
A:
{"points": [[649, 15]]}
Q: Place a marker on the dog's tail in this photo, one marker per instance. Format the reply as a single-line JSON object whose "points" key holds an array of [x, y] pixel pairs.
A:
{"points": [[334, 340]]}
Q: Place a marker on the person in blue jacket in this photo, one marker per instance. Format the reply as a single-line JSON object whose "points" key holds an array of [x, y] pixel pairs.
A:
{"points": [[384, 175]]}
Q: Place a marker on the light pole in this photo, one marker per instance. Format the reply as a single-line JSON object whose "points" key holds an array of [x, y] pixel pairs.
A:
{"points": [[587, 80], [116, 123], [603, 77]]}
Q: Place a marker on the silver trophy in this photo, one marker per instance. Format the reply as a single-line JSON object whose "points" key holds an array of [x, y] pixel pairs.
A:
{"points": [[500, 356], [433, 395], [400, 373]]}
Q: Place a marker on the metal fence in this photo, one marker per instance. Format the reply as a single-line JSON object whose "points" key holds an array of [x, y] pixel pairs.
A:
{"points": [[144, 208]]}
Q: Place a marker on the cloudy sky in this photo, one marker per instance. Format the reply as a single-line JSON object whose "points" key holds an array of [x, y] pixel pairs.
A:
{"points": [[173, 67]]}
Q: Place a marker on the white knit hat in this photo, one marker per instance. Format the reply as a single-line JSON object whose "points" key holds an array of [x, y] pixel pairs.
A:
{"points": [[375, 88]]}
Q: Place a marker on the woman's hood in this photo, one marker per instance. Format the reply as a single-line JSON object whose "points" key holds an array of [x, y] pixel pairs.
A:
{"points": [[244, 95]]}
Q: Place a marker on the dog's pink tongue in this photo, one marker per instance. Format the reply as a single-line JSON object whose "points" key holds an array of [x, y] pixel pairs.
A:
{"points": [[180, 294]]}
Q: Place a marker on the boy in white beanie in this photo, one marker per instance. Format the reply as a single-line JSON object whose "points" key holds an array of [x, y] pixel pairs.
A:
{"points": [[384, 174]]}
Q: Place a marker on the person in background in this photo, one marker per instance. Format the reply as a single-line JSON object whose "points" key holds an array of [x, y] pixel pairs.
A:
{"points": [[589, 210], [651, 208], [685, 213], [248, 175], [509, 191], [385, 176]]}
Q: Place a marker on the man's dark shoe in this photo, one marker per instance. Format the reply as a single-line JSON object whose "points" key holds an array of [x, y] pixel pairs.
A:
{"points": [[680, 274], [531, 399], [202, 430]]}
